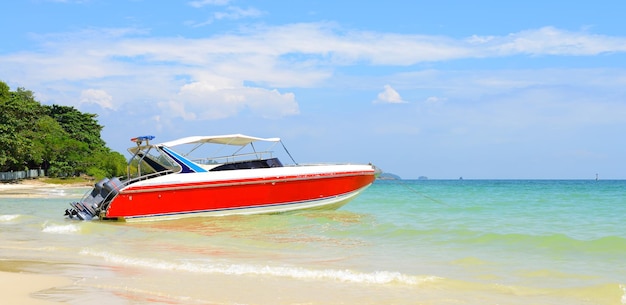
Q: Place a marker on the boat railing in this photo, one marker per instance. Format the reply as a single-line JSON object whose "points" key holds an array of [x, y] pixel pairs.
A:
{"points": [[131, 180], [235, 158]]}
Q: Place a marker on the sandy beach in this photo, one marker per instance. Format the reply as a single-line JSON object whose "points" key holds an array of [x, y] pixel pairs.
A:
{"points": [[29, 288], [26, 288], [28, 188]]}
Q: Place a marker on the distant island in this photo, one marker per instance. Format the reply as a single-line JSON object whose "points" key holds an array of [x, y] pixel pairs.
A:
{"points": [[389, 176]]}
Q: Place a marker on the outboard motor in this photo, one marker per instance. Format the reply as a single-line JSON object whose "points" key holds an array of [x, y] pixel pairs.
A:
{"points": [[91, 205], [112, 187]]}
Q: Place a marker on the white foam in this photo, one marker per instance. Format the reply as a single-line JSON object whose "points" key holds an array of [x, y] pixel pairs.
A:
{"points": [[57, 192], [378, 277], [7, 218], [623, 287], [61, 229]]}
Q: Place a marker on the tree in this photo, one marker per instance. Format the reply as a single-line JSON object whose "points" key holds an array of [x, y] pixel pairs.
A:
{"points": [[17, 112], [81, 126], [5, 91], [107, 164], [60, 139], [5, 127], [52, 145]]}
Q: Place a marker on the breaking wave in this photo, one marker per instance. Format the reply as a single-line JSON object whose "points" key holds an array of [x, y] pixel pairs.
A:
{"points": [[8, 218], [348, 276], [61, 229]]}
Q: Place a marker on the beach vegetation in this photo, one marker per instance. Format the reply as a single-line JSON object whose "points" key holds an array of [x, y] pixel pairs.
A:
{"points": [[62, 140], [72, 181]]}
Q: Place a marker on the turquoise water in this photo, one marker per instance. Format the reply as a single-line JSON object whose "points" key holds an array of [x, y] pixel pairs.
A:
{"points": [[400, 242]]}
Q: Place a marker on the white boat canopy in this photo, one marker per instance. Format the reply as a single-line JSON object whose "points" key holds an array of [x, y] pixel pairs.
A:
{"points": [[233, 139]]}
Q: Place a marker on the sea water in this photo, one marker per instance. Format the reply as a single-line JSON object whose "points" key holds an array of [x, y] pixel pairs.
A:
{"points": [[400, 242]]}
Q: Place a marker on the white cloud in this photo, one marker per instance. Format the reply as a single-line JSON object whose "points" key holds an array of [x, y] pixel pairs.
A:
{"points": [[547, 41], [202, 3], [317, 45], [98, 97], [231, 13], [435, 100], [134, 68], [205, 101], [235, 13], [390, 96]]}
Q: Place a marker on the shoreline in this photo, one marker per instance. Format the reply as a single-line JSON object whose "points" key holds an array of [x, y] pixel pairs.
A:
{"points": [[29, 188]]}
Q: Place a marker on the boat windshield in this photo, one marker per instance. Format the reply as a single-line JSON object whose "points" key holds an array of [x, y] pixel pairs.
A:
{"points": [[148, 161]]}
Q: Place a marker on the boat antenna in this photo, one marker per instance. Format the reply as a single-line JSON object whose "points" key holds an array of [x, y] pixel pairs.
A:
{"points": [[421, 194], [287, 151]]}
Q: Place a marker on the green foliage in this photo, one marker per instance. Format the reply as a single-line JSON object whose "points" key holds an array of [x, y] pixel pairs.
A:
{"points": [[80, 126], [107, 164], [59, 169], [18, 110], [59, 139]]}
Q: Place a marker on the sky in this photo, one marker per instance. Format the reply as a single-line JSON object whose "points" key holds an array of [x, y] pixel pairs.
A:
{"points": [[443, 89]]}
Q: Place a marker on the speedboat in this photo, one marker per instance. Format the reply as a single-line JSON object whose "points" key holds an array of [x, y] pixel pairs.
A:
{"points": [[191, 177]]}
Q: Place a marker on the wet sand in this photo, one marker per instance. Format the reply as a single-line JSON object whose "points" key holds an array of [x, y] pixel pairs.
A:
{"points": [[26, 288]]}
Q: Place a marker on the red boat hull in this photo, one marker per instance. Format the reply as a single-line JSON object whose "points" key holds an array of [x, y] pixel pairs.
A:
{"points": [[245, 196]]}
